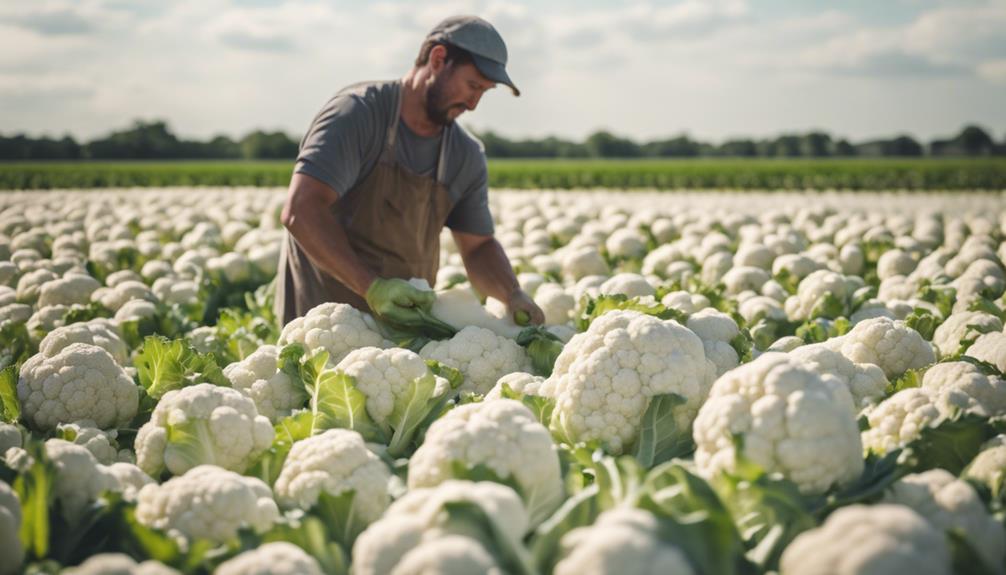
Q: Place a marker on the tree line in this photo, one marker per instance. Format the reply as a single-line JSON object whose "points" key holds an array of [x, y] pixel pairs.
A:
{"points": [[155, 141]]}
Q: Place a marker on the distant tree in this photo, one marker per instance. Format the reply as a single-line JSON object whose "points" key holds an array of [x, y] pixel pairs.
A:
{"points": [[844, 149], [743, 148], [972, 141], [679, 147], [141, 141], [816, 145], [606, 145], [260, 145]]}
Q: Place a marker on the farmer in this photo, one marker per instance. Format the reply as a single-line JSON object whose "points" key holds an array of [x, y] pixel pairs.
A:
{"points": [[382, 169]]}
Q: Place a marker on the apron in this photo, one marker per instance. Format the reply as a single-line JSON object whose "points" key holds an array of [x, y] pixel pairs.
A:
{"points": [[393, 219]]}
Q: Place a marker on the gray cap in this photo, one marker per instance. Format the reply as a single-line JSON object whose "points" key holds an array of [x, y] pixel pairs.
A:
{"points": [[479, 38]]}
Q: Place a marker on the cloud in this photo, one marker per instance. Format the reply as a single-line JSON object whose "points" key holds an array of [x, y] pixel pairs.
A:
{"points": [[55, 23], [993, 71]]}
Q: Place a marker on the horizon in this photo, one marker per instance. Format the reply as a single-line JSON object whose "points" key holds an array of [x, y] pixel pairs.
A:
{"points": [[725, 69]]}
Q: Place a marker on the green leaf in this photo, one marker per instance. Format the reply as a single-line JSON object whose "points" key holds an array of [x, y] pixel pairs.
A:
{"points": [[310, 534], [470, 519], [909, 379], [922, 321], [338, 513], [541, 407], [952, 443], [15, 344], [579, 510], [86, 312], [410, 410], [34, 489], [452, 375], [660, 439], [192, 442], [543, 347], [10, 407], [289, 430], [828, 307], [336, 403], [943, 297], [879, 473], [965, 558], [165, 365], [593, 308], [742, 345]]}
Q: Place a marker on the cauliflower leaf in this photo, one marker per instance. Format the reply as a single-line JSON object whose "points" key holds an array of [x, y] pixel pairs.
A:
{"points": [[164, 365]]}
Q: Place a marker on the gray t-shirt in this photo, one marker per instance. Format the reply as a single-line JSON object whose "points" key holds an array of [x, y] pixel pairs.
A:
{"points": [[347, 136]]}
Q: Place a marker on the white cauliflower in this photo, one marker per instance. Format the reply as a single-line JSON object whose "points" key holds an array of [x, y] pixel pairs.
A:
{"points": [[10, 436], [790, 419], [899, 419], [949, 504], [625, 243], [208, 502], [866, 381], [989, 466], [604, 377], [202, 424], [101, 444], [118, 564], [79, 478], [460, 307], [29, 285], [95, 332], [504, 436], [481, 355], [962, 385], [10, 524], [745, 278], [334, 462], [962, 326], [115, 297], [888, 344], [685, 302], [521, 382], [628, 284], [812, 291], [70, 289], [338, 328], [622, 540], [82, 381], [275, 558], [583, 261], [258, 376], [131, 479], [869, 540], [418, 518], [555, 303], [991, 348], [716, 330]]}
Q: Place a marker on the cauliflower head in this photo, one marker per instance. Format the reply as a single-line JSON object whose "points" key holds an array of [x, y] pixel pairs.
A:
{"points": [[521, 382], [334, 462], [622, 540], [202, 424], [963, 326], [886, 343], [338, 328], [94, 332], [989, 466], [208, 502], [118, 564], [448, 554], [869, 540], [502, 435], [480, 355], [275, 558], [257, 376], [81, 381], [791, 420], [866, 381], [604, 377], [949, 503], [991, 348], [963, 385], [10, 525], [716, 330], [899, 419]]}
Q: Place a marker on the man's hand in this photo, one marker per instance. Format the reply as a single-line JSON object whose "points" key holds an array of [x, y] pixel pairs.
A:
{"points": [[398, 302], [523, 310]]}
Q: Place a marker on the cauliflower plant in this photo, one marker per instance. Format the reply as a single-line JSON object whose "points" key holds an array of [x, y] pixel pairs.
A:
{"points": [[717, 330], [963, 385], [258, 376], [521, 382], [869, 540], [11, 550], [79, 478], [989, 466], [419, 518], [821, 293], [81, 381], [628, 284], [991, 348], [555, 303], [276, 558], [899, 419], [888, 344], [202, 424], [866, 381], [102, 444], [605, 378], [480, 355], [502, 435], [622, 540], [949, 504], [118, 564], [790, 420], [207, 502], [338, 328], [334, 462], [95, 332], [963, 326], [72, 288]]}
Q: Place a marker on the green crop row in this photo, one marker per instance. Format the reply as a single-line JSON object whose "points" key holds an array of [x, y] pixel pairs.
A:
{"points": [[854, 174]]}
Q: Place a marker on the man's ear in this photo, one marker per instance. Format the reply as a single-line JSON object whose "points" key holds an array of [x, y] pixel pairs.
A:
{"points": [[438, 54]]}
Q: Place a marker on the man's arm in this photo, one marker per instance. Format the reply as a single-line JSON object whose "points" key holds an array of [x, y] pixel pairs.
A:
{"points": [[308, 216], [490, 273]]}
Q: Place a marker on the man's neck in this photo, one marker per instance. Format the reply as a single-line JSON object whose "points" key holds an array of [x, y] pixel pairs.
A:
{"points": [[414, 106]]}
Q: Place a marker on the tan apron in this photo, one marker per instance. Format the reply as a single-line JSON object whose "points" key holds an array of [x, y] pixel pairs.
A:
{"points": [[393, 219]]}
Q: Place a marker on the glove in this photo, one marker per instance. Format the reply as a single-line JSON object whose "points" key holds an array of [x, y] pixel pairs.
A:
{"points": [[523, 310], [398, 302]]}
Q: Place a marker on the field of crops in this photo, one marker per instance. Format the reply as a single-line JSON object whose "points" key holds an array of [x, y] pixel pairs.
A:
{"points": [[726, 383], [753, 174]]}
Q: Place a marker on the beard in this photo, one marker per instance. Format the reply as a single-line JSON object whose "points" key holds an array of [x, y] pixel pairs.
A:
{"points": [[437, 106]]}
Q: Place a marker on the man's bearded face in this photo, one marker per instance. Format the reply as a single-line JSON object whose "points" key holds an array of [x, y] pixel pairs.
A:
{"points": [[441, 108]]}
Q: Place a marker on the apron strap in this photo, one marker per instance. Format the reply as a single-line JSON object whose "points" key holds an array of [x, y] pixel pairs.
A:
{"points": [[390, 138]]}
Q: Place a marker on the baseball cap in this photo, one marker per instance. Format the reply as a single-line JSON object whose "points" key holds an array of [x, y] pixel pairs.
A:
{"points": [[482, 41]]}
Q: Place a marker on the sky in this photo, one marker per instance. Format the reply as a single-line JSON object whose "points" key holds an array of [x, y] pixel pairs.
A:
{"points": [[712, 69]]}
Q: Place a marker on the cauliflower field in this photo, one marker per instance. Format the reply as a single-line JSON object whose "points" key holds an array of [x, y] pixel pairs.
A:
{"points": [[727, 383]]}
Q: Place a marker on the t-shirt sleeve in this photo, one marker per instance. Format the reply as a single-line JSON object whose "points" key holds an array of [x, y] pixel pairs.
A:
{"points": [[334, 147], [471, 212]]}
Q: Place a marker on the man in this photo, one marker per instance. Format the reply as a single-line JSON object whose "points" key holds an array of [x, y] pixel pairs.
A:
{"points": [[382, 170]]}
